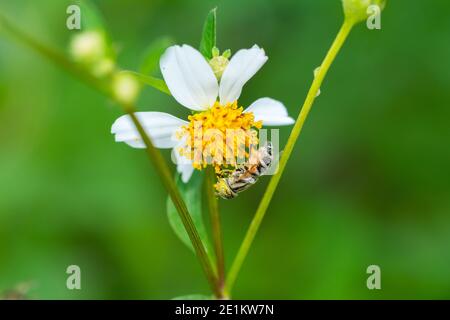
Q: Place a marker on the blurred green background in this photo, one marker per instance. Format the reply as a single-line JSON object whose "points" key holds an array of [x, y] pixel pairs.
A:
{"points": [[368, 183]]}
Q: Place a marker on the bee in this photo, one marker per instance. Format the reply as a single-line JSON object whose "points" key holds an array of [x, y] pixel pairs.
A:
{"points": [[246, 175]]}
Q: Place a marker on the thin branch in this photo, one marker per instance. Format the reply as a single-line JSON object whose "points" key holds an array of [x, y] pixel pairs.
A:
{"points": [[213, 206], [265, 201], [166, 177]]}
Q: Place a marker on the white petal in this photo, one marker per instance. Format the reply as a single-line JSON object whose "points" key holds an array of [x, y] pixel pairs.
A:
{"points": [[243, 65], [186, 171], [271, 112], [184, 165], [160, 126], [189, 77], [137, 144]]}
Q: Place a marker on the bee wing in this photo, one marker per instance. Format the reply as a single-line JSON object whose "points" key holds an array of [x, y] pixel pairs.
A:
{"points": [[245, 181], [272, 168]]}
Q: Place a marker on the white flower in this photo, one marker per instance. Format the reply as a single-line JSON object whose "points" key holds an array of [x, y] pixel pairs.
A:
{"points": [[193, 84]]}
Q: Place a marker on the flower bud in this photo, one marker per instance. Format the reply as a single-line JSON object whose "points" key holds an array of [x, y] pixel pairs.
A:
{"points": [[219, 62], [215, 52], [356, 10], [88, 47], [125, 88], [103, 67], [227, 53]]}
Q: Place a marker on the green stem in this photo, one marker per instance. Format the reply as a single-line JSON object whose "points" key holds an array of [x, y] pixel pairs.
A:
{"points": [[213, 205], [262, 208], [154, 154], [166, 176]]}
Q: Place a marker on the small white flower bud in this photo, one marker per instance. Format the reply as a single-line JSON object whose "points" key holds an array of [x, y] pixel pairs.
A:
{"points": [[103, 67], [125, 88], [88, 47], [356, 10]]}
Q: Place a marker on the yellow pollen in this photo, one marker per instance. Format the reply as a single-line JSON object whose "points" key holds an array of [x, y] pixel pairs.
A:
{"points": [[220, 136]]}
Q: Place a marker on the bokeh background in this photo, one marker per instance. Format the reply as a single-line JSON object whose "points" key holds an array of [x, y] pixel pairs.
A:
{"points": [[368, 183]]}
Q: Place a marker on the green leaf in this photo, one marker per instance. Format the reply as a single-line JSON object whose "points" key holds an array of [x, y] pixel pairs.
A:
{"points": [[150, 81], [153, 53], [194, 297], [208, 41], [191, 193]]}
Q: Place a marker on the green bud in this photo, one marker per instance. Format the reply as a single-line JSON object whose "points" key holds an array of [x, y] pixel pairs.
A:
{"points": [[103, 67], [215, 52], [227, 54], [219, 62], [356, 10], [125, 88]]}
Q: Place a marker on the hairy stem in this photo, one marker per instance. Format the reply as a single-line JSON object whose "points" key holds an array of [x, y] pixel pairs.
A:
{"points": [[262, 208], [213, 206], [154, 154]]}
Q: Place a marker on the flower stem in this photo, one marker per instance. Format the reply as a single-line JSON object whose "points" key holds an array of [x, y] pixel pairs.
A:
{"points": [[166, 176], [213, 206], [154, 154], [262, 208]]}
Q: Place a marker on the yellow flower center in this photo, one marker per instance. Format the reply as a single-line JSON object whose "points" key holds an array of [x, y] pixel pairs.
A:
{"points": [[221, 136]]}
